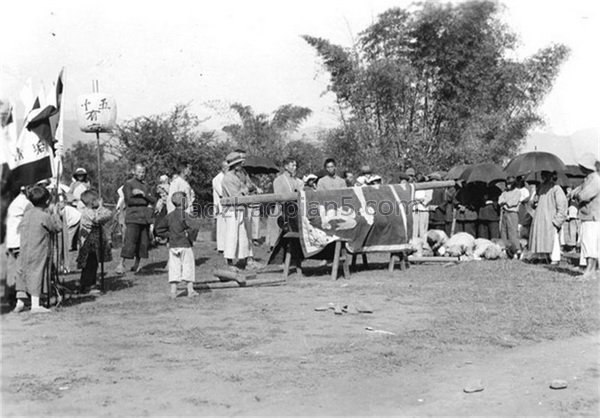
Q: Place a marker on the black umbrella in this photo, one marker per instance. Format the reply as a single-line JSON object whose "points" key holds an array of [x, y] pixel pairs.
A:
{"points": [[575, 171], [260, 165], [533, 162], [483, 173]]}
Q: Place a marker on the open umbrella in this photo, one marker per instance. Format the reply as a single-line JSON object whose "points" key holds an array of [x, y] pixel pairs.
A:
{"points": [[575, 171], [562, 179], [456, 171], [260, 165], [483, 173], [533, 162]]}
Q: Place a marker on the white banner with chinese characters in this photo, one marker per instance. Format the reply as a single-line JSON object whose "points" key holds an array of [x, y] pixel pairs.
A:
{"points": [[96, 112]]}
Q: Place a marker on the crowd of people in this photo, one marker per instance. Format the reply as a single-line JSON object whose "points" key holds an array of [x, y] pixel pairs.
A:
{"points": [[523, 220]]}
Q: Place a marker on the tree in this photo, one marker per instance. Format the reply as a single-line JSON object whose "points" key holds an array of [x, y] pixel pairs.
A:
{"points": [[114, 170], [436, 86], [161, 142], [309, 156], [262, 135]]}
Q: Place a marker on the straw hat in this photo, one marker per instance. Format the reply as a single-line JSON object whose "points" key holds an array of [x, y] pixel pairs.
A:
{"points": [[309, 177], [80, 172], [234, 158], [374, 178]]}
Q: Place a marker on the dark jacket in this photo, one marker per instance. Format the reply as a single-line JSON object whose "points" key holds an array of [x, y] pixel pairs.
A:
{"points": [[180, 229], [489, 212], [138, 210]]}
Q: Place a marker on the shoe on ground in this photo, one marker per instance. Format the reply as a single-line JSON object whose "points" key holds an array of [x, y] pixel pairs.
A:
{"points": [[119, 270], [40, 309], [192, 294], [19, 308], [94, 291]]}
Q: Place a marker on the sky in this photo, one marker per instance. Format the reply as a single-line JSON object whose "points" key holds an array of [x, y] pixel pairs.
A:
{"points": [[152, 55]]}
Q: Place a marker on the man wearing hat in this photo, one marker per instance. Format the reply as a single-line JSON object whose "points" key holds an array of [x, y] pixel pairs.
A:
{"points": [[79, 185], [509, 202], [237, 228], [588, 197], [310, 182]]}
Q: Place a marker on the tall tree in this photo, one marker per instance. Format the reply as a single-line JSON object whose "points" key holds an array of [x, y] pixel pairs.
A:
{"points": [[436, 86], [265, 135], [161, 142]]}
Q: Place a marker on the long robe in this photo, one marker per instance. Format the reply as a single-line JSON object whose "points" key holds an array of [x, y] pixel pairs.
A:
{"points": [[550, 213], [237, 225], [35, 229]]}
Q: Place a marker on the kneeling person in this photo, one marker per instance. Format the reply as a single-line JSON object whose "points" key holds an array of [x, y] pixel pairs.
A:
{"points": [[181, 230]]}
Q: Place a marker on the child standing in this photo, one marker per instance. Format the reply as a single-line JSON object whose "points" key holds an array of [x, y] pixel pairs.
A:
{"points": [[35, 230], [93, 218], [181, 231]]}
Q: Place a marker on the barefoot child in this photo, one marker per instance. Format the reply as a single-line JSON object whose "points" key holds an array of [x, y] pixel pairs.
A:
{"points": [[93, 218], [35, 230], [181, 231]]}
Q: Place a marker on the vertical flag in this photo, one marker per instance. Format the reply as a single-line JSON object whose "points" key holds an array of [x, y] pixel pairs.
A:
{"points": [[30, 161]]}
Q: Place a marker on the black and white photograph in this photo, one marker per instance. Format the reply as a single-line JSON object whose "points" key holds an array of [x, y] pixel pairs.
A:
{"points": [[300, 208]]}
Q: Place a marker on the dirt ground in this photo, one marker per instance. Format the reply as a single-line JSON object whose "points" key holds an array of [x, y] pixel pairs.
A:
{"points": [[266, 351]]}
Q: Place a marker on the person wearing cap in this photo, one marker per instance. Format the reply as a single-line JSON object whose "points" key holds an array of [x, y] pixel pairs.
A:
{"points": [[509, 202], [180, 184], [331, 181], [588, 197], [365, 175], [550, 205], [411, 173], [217, 185], [374, 180], [237, 225], [139, 201], [310, 182], [79, 185]]}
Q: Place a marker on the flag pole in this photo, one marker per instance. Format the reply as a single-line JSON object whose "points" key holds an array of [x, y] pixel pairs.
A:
{"points": [[101, 231]]}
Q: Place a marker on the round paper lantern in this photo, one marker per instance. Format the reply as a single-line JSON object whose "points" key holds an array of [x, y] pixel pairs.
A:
{"points": [[96, 112]]}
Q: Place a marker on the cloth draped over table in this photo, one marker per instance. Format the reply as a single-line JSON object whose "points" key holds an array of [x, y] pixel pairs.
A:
{"points": [[367, 219]]}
